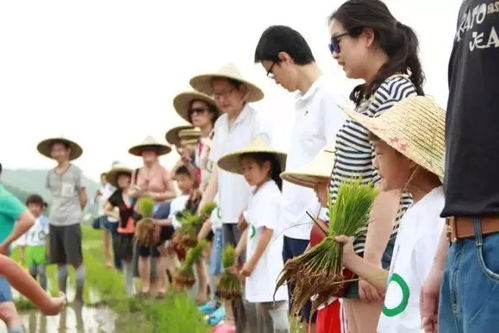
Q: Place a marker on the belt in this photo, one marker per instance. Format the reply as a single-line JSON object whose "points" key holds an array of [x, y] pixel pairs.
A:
{"points": [[462, 227]]}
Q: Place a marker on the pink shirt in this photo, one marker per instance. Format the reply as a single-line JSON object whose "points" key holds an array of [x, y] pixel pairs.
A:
{"points": [[153, 180]]}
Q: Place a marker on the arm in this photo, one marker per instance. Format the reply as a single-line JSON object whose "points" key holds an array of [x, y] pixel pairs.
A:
{"points": [[242, 243], [26, 285], [211, 189], [263, 241], [163, 222], [25, 221], [111, 211], [83, 198], [205, 230]]}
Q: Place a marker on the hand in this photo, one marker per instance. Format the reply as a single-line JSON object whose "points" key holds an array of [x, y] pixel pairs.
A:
{"points": [[247, 269], [54, 306], [4, 249], [368, 293], [429, 301], [242, 224], [348, 253]]}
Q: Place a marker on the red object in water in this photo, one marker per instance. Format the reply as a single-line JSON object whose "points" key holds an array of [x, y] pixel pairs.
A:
{"points": [[329, 318], [316, 234]]}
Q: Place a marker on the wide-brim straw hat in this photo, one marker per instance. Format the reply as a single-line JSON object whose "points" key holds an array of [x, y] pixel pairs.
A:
{"points": [[232, 162], [150, 143], [45, 146], [415, 127], [172, 135], [118, 169], [182, 103], [203, 82], [317, 171], [190, 136]]}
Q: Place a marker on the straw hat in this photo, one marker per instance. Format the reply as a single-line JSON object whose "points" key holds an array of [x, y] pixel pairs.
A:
{"points": [[183, 101], [45, 147], [415, 127], [172, 135], [314, 172], [231, 162], [190, 136], [202, 83], [150, 143], [118, 169]]}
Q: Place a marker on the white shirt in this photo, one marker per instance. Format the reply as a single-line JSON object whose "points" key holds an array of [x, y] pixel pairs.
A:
{"points": [[177, 205], [415, 248], [233, 191], [263, 211], [106, 191], [318, 119], [36, 235]]}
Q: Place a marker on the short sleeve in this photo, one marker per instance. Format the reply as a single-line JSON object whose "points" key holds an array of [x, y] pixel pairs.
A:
{"points": [[163, 211], [47, 181], [11, 207], [78, 179], [389, 93], [113, 199]]}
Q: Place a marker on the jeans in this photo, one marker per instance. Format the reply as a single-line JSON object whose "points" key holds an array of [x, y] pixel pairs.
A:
{"points": [[469, 295]]}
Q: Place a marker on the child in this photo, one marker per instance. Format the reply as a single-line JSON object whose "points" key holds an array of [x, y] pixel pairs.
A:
{"points": [[261, 166], [69, 200], [121, 207], [317, 175], [34, 243], [409, 145]]}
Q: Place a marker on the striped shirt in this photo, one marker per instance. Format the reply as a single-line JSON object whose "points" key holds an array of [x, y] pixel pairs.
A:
{"points": [[355, 153]]}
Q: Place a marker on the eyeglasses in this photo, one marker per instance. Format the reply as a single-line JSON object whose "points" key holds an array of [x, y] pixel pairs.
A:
{"points": [[223, 94], [197, 110], [334, 46], [270, 74]]}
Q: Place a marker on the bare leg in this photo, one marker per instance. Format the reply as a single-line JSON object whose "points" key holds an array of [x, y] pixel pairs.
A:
{"points": [[161, 274], [202, 273], [362, 316], [107, 248], [9, 315], [145, 274]]}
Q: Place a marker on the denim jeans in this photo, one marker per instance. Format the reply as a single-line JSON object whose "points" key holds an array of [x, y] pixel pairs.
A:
{"points": [[469, 295]]}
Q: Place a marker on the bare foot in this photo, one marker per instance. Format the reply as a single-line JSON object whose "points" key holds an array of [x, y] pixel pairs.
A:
{"points": [[109, 265], [55, 305]]}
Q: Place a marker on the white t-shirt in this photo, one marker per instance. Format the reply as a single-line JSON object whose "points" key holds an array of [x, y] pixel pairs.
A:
{"points": [[263, 211], [318, 119], [177, 206], [36, 235], [233, 191], [415, 248]]}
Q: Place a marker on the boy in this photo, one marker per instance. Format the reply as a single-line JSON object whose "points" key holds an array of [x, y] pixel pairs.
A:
{"points": [[287, 59], [34, 243], [69, 200], [409, 145], [11, 209]]}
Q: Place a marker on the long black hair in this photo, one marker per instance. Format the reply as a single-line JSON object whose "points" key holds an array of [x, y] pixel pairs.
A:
{"points": [[275, 166], [397, 40]]}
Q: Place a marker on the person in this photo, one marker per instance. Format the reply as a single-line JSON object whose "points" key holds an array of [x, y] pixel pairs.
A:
{"points": [[461, 290], [202, 112], [34, 243], [316, 175], [370, 44], [108, 224], [120, 206], [12, 210], [261, 166], [173, 139], [287, 59], [234, 129], [151, 180], [409, 143], [69, 199]]}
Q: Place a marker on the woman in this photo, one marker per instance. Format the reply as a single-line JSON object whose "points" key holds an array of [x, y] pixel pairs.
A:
{"points": [[154, 181], [371, 45]]}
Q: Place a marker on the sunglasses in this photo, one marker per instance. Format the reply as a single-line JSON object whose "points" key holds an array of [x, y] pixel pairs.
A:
{"points": [[334, 46], [197, 110]]}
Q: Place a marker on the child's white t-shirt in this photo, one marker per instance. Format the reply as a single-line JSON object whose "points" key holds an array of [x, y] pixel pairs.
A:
{"points": [[36, 235], [415, 248], [263, 211], [178, 205]]}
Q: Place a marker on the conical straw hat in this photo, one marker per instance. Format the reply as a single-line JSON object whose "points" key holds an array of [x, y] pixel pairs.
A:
{"points": [[118, 169], [172, 135], [190, 136], [150, 143], [45, 146], [202, 82], [182, 102], [415, 127], [231, 162], [314, 172]]}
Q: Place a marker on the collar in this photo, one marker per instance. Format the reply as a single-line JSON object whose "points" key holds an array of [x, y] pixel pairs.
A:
{"points": [[312, 90]]}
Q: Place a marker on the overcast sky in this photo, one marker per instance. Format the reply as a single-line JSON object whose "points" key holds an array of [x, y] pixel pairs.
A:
{"points": [[104, 73]]}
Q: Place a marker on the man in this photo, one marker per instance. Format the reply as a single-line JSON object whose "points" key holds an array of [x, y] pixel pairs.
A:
{"points": [[469, 294], [69, 200], [287, 59]]}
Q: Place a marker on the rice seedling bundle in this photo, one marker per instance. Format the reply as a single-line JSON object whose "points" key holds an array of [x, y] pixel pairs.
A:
{"points": [[229, 287], [184, 276], [318, 272], [145, 227], [186, 236]]}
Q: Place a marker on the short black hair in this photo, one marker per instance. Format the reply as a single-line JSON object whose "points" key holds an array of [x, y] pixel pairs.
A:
{"points": [[183, 171], [35, 199], [280, 38]]}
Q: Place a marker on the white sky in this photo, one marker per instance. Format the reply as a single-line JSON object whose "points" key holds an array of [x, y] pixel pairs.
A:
{"points": [[104, 73]]}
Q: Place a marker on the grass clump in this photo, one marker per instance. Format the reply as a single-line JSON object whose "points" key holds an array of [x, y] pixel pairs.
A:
{"points": [[145, 227], [229, 287], [184, 277], [186, 236]]}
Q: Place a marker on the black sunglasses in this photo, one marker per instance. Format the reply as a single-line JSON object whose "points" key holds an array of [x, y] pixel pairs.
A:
{"points": [[334, 46], [197, 110]]}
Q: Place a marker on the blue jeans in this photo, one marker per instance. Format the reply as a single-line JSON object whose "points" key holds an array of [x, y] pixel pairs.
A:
{"points": [[469, 295]]}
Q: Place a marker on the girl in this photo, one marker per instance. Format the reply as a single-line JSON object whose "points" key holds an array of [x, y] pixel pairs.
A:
{"points": [[262, 239], [370, 44], [152, 180], [120, 206]]}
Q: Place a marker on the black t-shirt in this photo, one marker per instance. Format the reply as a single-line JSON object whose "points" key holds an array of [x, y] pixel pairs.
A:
{"points": [[126, 211], [472, 129]]}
